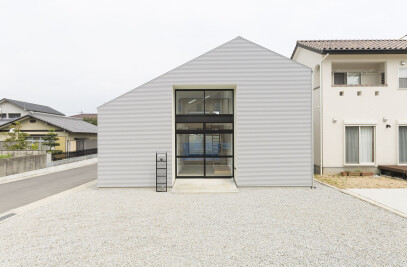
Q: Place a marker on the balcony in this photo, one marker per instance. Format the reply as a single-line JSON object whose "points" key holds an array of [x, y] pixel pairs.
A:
{"points": [[370, 74]]}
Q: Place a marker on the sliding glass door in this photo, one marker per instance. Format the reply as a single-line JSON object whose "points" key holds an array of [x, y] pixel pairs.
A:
{"points": [[204, 133], [403, 144], [359, 145]]}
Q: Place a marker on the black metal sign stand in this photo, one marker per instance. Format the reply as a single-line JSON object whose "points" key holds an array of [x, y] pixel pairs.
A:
{"points": [[161, 172]]}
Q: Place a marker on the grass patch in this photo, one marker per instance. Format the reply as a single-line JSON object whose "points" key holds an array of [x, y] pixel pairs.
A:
{"points": [[5, 156], [345, 182]]}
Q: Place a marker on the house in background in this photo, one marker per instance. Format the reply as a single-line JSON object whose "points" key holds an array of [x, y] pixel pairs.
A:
{"points": [[12, 109], [85, 115], [36, 120], [359, 103], [88, 117], [74, 134], [239, 111]]}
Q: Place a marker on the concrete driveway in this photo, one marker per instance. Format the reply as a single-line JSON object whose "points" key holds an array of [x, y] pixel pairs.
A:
{"points": [[393, 198], [23, 192]]}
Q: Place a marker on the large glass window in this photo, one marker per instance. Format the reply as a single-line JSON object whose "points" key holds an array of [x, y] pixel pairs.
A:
{"points": [[200, 102], [218, 144], [190, 102], [359, 147], [403, 144], [190, 167], [204, 133], [219, 126], [219, 166], [190, 145], [218, 102], [189, 126]]}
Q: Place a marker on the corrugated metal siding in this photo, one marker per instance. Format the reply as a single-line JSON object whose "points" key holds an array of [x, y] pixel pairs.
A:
{"points": [[273, 119]]}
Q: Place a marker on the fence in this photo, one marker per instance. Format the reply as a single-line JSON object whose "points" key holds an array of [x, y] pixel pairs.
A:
{"points": [[22, 161], [79, 153]]}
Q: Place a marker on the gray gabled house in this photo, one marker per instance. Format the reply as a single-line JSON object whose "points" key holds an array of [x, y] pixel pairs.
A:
{"points": [[239, 111]]}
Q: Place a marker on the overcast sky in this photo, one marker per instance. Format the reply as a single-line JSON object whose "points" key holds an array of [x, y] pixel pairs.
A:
{"points": [[76, 55]]}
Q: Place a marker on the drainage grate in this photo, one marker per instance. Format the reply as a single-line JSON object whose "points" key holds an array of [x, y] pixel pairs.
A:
{"points": [[7, 216]]}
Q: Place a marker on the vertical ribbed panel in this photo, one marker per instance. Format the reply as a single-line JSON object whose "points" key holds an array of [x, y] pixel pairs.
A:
{"points": [[272, 119]]}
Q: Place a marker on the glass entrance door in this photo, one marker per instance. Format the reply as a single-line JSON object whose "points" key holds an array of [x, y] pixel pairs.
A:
{"points": [[204, 133]]}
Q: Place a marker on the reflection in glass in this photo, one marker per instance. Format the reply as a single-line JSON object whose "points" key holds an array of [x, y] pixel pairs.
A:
{"points": [[219, 166], [190, 102], [218, 102], [190, 144], [218, 144], [189, 126], [219, 126], [190, 167]]}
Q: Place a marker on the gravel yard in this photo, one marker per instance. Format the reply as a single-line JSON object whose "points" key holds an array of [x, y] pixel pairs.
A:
{"points": [[257, 226]]}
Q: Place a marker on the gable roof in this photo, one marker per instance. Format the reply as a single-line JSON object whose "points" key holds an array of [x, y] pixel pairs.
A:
{"points": [[390, 46], [69, 124], [32, 107], [237, 39]]}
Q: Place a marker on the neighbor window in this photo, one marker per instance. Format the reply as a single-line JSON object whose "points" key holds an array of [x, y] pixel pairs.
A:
{"points": [[36, 139], [3, 115], [359, 144], [403, 78], [14, 115], [403, 144], [347, 78]]}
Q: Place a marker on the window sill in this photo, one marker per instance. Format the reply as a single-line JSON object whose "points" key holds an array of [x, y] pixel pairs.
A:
{"points": [[402, 88], [360, 85]]}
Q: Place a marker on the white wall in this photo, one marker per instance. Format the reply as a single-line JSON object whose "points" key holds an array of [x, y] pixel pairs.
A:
{"points": [[390, 103], [272, 119], [10, 108]]}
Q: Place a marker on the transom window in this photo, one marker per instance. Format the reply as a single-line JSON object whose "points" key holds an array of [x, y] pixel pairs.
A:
{"points": [[359, 145], [204, 102]]}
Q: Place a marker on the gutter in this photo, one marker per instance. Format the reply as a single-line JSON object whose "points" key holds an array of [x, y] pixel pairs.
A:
{"points": [[321, 116]]}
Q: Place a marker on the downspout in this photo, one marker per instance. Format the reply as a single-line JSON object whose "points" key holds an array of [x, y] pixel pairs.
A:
{"points": [[320, 114]]}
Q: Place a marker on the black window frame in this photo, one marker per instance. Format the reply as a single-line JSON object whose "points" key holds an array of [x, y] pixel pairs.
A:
{"points": [[204, 119]]}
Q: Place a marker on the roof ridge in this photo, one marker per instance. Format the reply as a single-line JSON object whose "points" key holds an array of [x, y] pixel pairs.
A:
{"points": [[336, 40], [55, 115]]}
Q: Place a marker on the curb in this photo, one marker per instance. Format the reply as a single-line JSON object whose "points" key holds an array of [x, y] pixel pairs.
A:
{"points": [[31, 174], [39, 203], [368, 200]]}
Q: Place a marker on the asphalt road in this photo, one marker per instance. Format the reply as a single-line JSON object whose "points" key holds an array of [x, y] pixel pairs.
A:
{"points": [[23, 192]]}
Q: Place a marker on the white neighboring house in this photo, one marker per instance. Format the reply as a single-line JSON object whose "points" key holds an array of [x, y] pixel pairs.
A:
{"points": [[13, 109], [359, 102]]}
